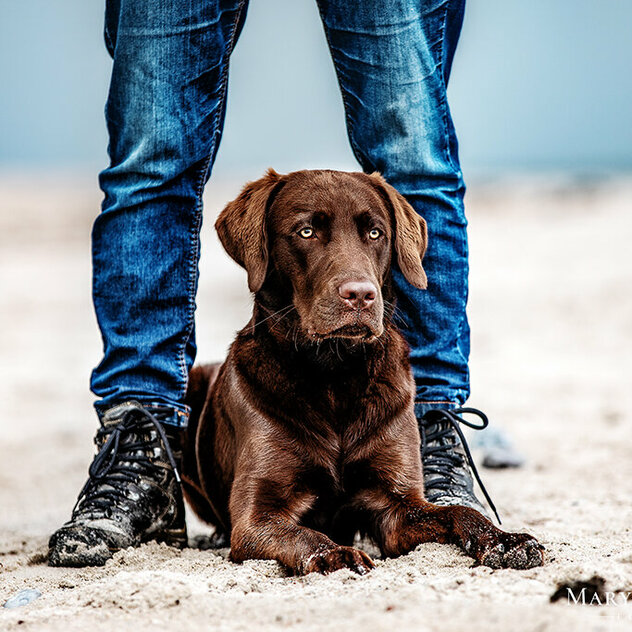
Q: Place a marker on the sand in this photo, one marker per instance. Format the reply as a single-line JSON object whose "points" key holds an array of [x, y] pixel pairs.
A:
{"points": [[551, 315]]}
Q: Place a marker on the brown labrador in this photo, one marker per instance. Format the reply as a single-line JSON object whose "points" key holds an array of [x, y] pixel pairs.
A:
{"points": [[306, 434]]}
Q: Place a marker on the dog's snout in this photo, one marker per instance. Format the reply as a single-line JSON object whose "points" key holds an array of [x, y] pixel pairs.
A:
{"points": [[357, 294]]}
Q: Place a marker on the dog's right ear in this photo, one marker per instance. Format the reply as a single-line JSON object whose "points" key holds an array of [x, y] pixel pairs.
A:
{"points": [[241, 227]]}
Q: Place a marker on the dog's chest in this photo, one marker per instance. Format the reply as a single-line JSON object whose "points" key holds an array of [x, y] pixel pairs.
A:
{"points": [[332, 491], [344, 425], [334, 482], [343, 403]]}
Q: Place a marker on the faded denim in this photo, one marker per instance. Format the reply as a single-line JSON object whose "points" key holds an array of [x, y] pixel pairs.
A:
{"points": [[165, 113]]}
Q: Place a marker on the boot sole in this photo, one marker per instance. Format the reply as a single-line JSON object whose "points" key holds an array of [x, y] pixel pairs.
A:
{"points": [[71, 552]]}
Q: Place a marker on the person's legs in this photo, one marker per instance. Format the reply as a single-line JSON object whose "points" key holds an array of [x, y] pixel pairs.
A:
{"points": [[165, 113], [393, 61]]}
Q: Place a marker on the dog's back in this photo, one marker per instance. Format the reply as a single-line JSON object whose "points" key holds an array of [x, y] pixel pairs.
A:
{"points": [[199, 398]]}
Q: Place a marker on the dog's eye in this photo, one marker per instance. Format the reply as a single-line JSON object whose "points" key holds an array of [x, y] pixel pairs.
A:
{"points": [[376, 233], [306, 233]]}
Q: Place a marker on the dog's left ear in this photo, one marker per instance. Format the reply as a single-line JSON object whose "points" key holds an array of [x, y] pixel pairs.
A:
{"points": [[411, 233], [241, 227]]}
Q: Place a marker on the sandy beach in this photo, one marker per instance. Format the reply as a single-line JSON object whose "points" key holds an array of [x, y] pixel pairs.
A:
{"points": [[551, 317]]}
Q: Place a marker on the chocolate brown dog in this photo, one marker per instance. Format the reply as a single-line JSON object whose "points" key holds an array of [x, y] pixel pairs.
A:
{"points": [[306, 434]]}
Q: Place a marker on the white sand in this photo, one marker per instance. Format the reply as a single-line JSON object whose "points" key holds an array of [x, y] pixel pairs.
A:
{"points": [[551, 314]]}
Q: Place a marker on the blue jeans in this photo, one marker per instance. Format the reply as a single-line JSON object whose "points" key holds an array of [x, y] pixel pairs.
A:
{"points": [[165, 113]]}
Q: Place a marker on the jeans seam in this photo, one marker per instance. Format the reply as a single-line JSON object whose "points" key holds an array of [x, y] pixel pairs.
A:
{"points": [[196, 225], [348, 120], [444, 93], [194, 240], [449, 157], [110, 44], [459, 332], [444, 102]]}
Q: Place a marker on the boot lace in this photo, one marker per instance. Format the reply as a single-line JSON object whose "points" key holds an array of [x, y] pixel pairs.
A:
{"points": [[438, 444], [120, 462]]}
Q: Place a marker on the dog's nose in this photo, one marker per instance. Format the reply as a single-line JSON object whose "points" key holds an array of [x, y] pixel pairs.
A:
{"points": [[357, 294]]}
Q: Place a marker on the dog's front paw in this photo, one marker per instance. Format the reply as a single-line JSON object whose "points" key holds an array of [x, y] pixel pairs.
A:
{"points": [[511, 550], [493, 547], [330, 560]]}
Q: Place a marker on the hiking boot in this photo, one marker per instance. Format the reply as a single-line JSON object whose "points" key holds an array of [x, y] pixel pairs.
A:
{"points": [[133, 493], [446, 459]]}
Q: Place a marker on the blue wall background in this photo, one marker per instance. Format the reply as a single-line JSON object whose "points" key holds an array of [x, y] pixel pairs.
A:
{"points": [[539, 85]]}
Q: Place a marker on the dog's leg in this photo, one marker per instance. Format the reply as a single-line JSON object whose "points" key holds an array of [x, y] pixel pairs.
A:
{"points": [[266, 526], [413, 521], [300, 549]]}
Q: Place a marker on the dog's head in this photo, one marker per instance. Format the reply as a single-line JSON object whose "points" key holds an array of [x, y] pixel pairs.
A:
{"points": [[328, 237]]}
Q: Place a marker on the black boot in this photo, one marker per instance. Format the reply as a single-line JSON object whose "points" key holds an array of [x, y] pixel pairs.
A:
{"points": [[446, 459], [133, 493]]}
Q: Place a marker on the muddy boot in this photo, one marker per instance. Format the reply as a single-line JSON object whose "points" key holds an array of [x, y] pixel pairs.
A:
{"points": [[446, 459], [133, 493]]}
